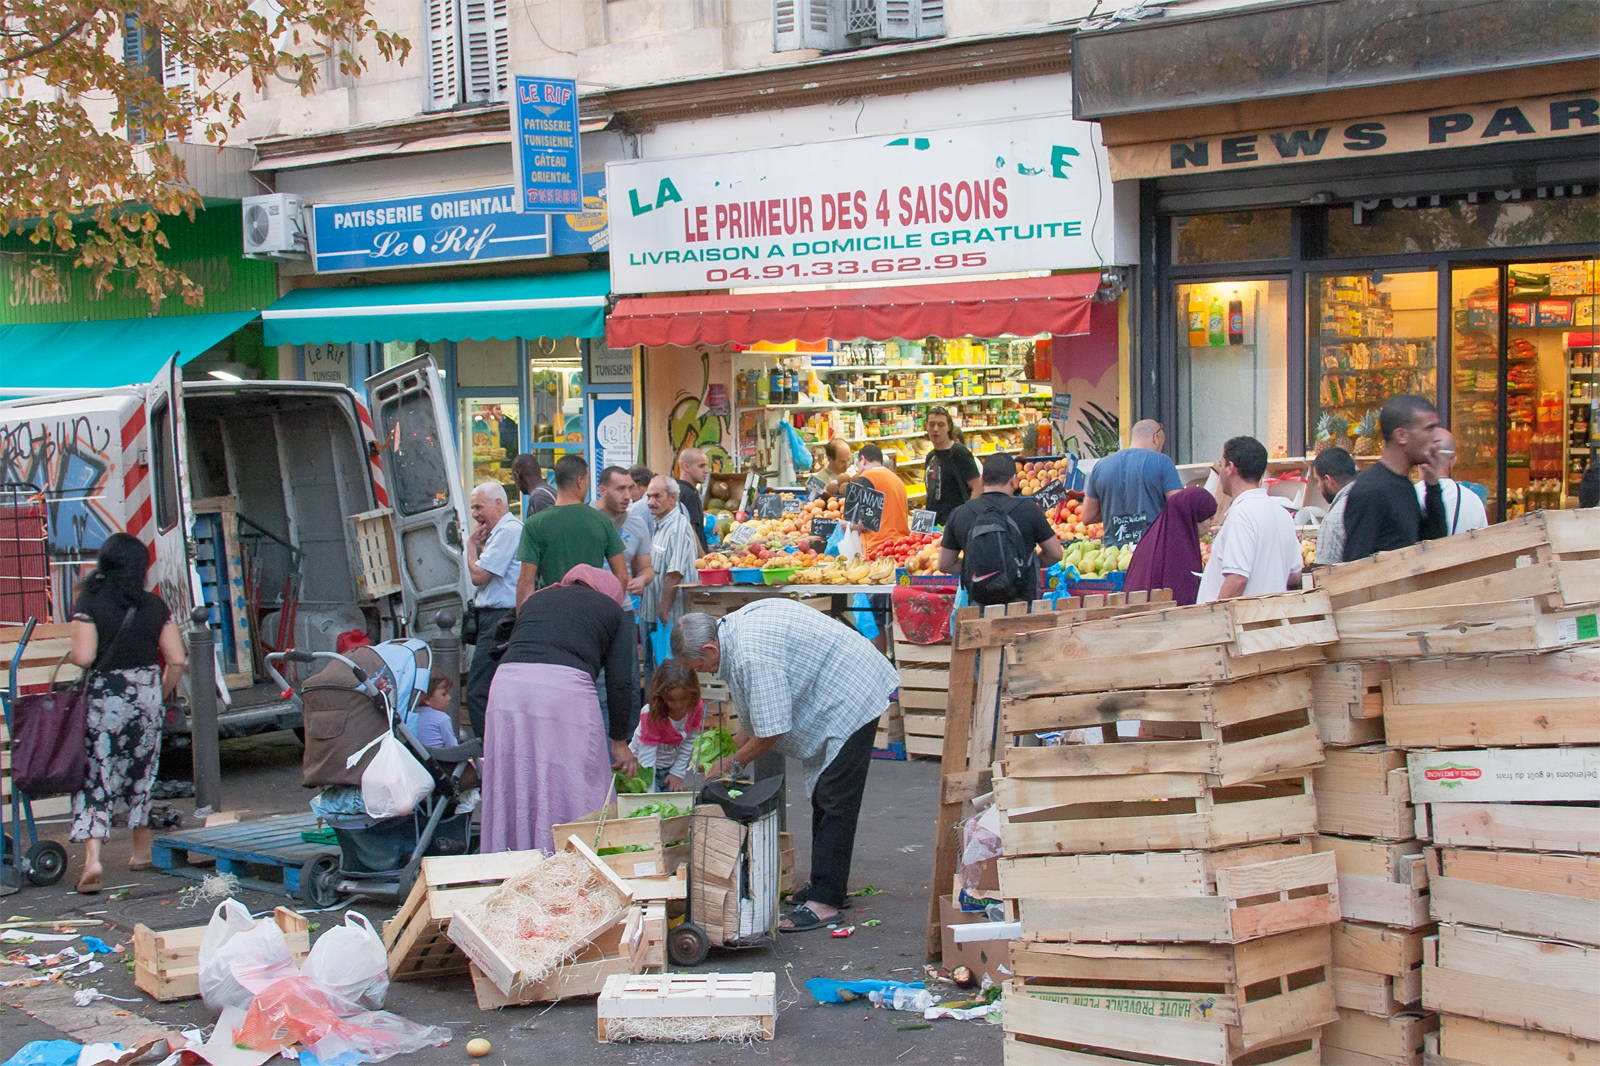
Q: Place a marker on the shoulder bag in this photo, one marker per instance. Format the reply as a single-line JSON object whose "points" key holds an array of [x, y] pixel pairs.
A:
{"points": [[50, 751]]}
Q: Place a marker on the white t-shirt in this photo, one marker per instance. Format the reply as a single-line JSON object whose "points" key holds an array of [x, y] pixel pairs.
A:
{"points": [[1257, 540], [1463, 510]]}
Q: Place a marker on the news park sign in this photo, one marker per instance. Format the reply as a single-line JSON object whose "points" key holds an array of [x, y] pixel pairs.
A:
{"points": [[1540, 118], [1031, 194]]}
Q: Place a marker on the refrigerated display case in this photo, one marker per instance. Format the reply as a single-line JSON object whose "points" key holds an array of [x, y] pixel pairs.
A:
{"points": [[1232, 362]]}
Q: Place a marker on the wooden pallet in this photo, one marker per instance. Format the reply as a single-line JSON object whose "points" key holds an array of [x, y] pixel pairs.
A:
{"points": [[1044, 1028], [1380, 881], [1360, 1039], [167, 963], [1347, 700], [416, 938], [636, 944], [732, 995], [265, 855], [1365, 792], [1480, 1043], [924, 692], [1534, 894], [1513, 980], [46, 650], [1517, 826], [1262, 990], [1495, 701], [1231, 732], [1526, 625]]}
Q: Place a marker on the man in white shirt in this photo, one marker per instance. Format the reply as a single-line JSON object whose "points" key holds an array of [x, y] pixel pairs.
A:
{"points": [[1256, 550], [492, 564], [1463, 510], [615, 502]]}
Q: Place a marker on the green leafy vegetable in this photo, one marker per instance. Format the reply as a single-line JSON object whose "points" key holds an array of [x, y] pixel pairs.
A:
{"points": [[624, 849], [866, 890], [661, 807], [640, 782], [710, 746], [872, 923]]}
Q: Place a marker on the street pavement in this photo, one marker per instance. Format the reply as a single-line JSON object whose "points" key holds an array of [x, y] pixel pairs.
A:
{"points": [[261, 776]]}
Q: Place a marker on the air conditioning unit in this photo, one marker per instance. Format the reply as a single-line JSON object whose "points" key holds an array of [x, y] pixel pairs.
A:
{"points": [[274, 227]]}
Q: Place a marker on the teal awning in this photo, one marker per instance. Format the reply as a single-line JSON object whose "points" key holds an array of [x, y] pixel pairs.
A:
{"points": [[96, 355], [480, 309]]}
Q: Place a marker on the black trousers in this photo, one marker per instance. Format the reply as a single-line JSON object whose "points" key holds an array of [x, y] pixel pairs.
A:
{"points": [[835, 809], [481, 673]]}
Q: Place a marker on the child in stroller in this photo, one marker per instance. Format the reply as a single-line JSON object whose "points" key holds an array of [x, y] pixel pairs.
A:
{"points": [[347, 707]]}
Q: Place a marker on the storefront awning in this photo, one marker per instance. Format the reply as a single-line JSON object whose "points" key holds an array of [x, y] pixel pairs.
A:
{"points": [[102, 355], [1058, 305], [479, 309]]}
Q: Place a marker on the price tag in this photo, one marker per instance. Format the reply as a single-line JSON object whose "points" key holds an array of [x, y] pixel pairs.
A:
{"points": [[743, 535], [923, 522], [791, 505], [769, 505], [815, 487], [1050, 495], [863, 506], [824, 527]]}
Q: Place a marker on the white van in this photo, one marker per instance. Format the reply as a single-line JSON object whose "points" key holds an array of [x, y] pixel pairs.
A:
{"points": [[281, 505]]}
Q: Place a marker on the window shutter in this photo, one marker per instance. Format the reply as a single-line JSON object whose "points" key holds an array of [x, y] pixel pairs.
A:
{"points": [[786, 25], [930, 18], [910, 19], [485, 44], [444, 54], [177, 73], [824, 25]]}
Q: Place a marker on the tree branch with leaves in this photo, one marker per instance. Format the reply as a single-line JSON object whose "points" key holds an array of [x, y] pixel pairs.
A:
{"points": [[87, 167]]}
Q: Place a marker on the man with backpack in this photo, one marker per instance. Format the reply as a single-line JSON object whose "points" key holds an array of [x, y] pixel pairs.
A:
{"points": [[995, 534]]}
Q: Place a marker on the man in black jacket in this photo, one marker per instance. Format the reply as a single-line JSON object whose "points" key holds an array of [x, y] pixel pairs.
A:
{"points": [[1381, 512], [693, 466]]}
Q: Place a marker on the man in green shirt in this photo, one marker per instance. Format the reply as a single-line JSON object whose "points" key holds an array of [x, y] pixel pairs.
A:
{"points": [[561, 537]]}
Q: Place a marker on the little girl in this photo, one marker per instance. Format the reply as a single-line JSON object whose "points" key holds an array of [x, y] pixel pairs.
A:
{"points": [[669, 724], [433, 719]]}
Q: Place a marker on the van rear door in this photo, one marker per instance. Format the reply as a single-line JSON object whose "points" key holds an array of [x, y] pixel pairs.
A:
{"points": [[418, 451], [164, 517]]}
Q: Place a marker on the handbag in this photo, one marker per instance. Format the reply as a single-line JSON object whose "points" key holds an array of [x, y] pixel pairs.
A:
{"points": [[470, 625], [50, 753]]}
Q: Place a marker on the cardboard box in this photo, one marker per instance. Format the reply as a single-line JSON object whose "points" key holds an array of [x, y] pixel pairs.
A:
{"points": [[979, 956]]}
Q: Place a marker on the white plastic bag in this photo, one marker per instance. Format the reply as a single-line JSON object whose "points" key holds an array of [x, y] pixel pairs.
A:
{"points": [[349, 963], [239, 957], [850, 544], [394, 782]]}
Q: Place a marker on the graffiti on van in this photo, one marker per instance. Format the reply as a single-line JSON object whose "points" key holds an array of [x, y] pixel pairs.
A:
{"points": [[70, 462]]}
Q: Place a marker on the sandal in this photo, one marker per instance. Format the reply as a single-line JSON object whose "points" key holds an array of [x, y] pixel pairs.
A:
{"points": [[87, 889], [803, 895], [803, 919], [135, 867]]}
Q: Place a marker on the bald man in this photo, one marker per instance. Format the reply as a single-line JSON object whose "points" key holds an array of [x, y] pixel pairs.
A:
{"points": [[1127, 489], [837, 454], [694, 468], [492, 564], [1463, 510]]}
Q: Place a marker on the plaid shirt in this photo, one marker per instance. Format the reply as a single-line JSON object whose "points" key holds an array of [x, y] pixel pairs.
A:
{"points": [[795, 672]]}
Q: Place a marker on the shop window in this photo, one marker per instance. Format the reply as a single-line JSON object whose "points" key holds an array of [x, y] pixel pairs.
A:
{"points": [[555, 397], [489, 433], [397, 352], [1383, 228], [1231, 236], [491, 364], [1368, 337], [1232, 366], [1475, 383]]}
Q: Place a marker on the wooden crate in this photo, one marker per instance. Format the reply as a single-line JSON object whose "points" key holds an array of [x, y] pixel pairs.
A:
{"points": [[636, 944], [1232, 732], [1223, 641], [1230, 904], [479, 945], [665, 840], [1496, 701], [1480, 1043], [1360, 1039], [1514, 980], [1046, 1026], [416, 937], [1505, 775], [1462, 629], [1365, 792], [924, 692], [167, 963], [1530, 893], [372, 533], [44, 656], [788, 880], [1149, 812], [1380, 881], [1262, 990], [708, 995], [1519, 826], [1347, 701]]}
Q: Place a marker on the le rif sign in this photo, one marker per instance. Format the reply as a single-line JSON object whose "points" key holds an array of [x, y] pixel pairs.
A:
{"points": [[545, 145]]}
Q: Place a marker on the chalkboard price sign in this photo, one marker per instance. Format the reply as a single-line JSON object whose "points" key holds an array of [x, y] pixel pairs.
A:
{"points": [[743, 535], [769, 505], [1050, 495], [863, 506], [815, 487], [791, 505], [824, 527], [923, 522]]}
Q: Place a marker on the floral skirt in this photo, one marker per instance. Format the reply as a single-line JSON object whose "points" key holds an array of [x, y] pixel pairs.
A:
{"points": [[124, 740]]}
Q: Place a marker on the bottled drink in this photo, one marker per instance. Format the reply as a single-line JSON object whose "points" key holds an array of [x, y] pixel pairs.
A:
{"points": [[1217, 330], [1197, 319], [1235, 319], [791, 387], [775, 387]]}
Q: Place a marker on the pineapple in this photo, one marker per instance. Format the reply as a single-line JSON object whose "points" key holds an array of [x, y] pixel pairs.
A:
{"points": [[1366, 434], [1331, 430]]}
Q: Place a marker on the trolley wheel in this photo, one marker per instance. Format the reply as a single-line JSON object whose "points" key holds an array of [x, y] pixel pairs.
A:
{"points": [[45, 862], [319, 881], [407, 881], [687, 944]]}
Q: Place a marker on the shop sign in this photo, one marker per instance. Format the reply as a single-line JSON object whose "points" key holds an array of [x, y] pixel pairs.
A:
{"points": [[610, 366], [1030, 194], [611, 430], [478, 226], [588, 231], [1539, 118], [328, 362], [545, 144]]}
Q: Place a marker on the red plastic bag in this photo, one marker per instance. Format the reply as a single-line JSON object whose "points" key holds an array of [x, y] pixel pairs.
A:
{"points": [[295, 1011]]}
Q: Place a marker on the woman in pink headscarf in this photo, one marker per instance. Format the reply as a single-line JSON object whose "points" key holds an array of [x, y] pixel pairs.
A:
{"points": [[547, 754], [1168, 555]]}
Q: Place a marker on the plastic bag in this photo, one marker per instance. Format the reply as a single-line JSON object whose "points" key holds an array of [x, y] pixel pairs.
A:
{"points": [[348, 962], [799, 450], [850, 544], [296, 1011], [239, 957], [394, 782], [827, 990], [661, 642]]}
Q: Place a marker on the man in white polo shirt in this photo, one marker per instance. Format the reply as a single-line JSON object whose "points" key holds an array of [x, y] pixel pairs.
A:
{"points": [[1463, 510], [1256, 550], [492, 564]]}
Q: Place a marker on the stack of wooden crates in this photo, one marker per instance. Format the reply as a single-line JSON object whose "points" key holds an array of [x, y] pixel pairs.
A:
{"points": [[1172, 906], [924, 691]]}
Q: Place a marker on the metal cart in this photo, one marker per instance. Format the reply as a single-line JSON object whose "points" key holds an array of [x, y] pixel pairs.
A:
{"points": [[734, 870], [45, 861]]}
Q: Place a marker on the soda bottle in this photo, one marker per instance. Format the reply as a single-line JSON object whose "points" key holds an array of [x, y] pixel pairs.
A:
{"points": [[1235, 319], [775, 386], [1197, 319], [1216, 328]]}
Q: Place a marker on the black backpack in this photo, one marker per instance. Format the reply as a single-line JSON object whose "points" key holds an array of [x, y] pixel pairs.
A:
{"points": [[996, 557]]}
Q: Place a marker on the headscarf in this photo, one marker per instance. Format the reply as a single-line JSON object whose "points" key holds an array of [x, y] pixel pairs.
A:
{"points": [[602, 581], [1168, 555]]}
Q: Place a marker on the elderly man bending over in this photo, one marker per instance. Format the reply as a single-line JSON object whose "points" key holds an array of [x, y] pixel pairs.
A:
{"points": [[673, 551], [810, 688]]}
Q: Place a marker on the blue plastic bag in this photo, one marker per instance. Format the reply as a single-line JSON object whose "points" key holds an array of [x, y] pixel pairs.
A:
{"points": [[46, 1053], [660, 642], [799, 450], [826, 990]]}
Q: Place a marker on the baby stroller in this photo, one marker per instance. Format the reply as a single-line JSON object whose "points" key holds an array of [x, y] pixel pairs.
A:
{"points": [[346, 707]]}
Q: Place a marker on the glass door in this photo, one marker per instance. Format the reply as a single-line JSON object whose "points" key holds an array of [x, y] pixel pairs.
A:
{"points": [[1475, 352], [1233, 380], [488, 435]]}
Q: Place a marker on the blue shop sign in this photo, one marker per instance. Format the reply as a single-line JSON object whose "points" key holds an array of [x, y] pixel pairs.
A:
{"points": [[478, 226], [545, 144]]}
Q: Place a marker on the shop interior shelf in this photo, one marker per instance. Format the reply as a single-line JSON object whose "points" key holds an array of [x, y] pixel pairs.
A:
{"points": [[898, 403], [918, 367]]}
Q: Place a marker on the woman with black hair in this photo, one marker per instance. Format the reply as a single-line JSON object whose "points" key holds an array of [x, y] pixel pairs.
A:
{"points": [[120, 633]]}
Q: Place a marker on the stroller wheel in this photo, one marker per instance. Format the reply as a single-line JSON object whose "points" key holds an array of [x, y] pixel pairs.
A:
{"points": [[319, 881], [45, 862], [687, 944]]}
